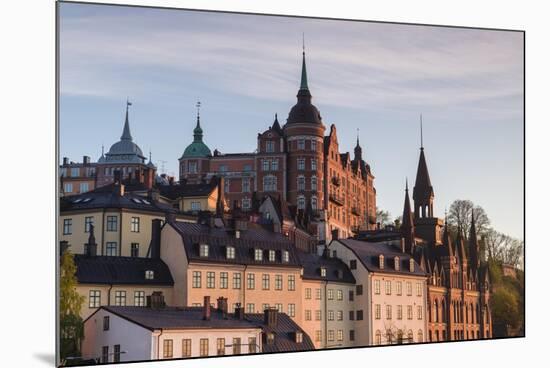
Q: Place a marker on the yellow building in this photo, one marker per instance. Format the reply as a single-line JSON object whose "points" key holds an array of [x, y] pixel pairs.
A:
{"points": [[194, 198]]}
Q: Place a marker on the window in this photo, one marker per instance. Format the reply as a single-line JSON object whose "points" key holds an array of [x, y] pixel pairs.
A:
{"points": [[149, 275], [285, 256], [203, 347], [381, 261], [398, 287], [250, 281], [168, 348], [330, 294], [340, 335], [409, 288], [359, 290], [265, 281], [330, 335], [117, 354], [351, 295], [111, 249], [265, 306], [186, 348], [313, 164], [313, 145], [236, 280], [258, 254], [299, 337], [313, 202], [135, 225], [88, 221], [271, 256], [196, 279], [220, 346], [339, 294], [301, 144], [230, 252], [396, 263], [105, 354], [399, 312], [291, 282], [226, 185], [301, 203], [301, 163], [420, 336], [388, 311], [278, 282], [192, 167], [203, 250], [223, 168], [353, 264], [301, 183], [318, 335], [224, 280], [247, 167], [94, 299], [270, 146], [68, 188], [377, 314], [265, 165], [313, 183], [378, 338], [112, 223], [83, 187], [330, 315], [323, 272], [292, 310], [134, 250], [351, 335], [270, 183], [318, 294], [106, 323], [409, 312], [274, 165], [351, 315], [340, 315], [67, 226], [318, 315], [250, 308], [308, 315], [139, 298], [246, 185], [195, 206], [419, 312], [279, 307], [120, 297], [210, 280], [418, 289], [360, 315], [251, 345]]}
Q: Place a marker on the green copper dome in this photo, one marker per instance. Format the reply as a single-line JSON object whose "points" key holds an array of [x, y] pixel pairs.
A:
{"points": [[197, 148]]}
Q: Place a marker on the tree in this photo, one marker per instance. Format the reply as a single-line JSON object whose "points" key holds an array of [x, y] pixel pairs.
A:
{"points": [[383, 217], [502, 248], [505, 311], [70, 305], [460, 217]]}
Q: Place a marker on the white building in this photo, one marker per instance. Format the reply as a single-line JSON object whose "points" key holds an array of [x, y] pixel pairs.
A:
{"points": [[390, 295]]}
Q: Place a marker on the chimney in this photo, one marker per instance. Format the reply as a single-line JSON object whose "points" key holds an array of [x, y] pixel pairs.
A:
{"points": [[239, 311], [91, 246], [85, 160], [206, 308], [326, 252], [222, 306], [334, 234], [65, 160], [139, 176], [63, 246], [155, 238], [117, 175], [270, 317], [402, 245], [156, 300], [171, 180], [148, 178]]}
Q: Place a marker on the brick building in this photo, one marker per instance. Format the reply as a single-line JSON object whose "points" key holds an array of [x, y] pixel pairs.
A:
{"points": [[295, 163]]}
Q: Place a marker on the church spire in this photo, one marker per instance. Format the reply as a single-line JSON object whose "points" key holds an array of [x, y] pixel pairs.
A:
{"points": [[126, 136], [357, 150], [197, 132], [407, 227], [447, 242], [473, 244], [423, 192], [303, 82]]}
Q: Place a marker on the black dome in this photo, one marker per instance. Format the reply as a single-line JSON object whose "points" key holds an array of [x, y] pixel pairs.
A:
{"points": [[304, 111]]}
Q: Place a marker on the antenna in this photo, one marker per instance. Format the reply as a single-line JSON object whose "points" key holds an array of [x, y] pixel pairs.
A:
{"points": [[421, 136], [303, 43], [162, 162]]}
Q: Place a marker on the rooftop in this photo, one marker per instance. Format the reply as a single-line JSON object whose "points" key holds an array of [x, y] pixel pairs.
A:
{"points": [[336, 270]]}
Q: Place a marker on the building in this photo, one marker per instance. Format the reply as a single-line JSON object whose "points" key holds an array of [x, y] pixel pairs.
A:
{"points": [[194, 197], [295, 163], [458, 283], [125, 334], [390, 292], [77, 177]]}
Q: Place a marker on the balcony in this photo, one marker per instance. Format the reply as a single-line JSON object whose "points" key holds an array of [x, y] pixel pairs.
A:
{"points": [[339, 200], [336, 181], [355, 211]]}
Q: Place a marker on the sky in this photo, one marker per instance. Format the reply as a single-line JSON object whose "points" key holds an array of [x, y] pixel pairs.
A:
{"points": [[375, 77]]}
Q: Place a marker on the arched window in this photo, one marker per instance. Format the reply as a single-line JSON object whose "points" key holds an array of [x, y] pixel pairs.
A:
{"points": [[419, 336], [399, 336], [270, 183], [314, 202], [410, 337], [313, 182], [467, 314], [436, 312], [472, 312], [388, 337], [301, 203], [301, 182], [378, 339]]}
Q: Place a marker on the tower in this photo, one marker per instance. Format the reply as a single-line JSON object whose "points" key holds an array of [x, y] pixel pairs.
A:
{"points": [[407, 227], [194, 161], [473, 246]]}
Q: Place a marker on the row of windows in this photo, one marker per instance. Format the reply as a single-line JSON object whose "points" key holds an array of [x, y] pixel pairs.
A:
{"points": [[105, 354], [68, 187], [331, 336], [112, 224], [268, 165], [398, 288], [378, 312], [237, 281], [204, 343], [301, 183], [330, 294], [251, 308], [94, 298], [398, 338], [301, 163], [331, 316]]}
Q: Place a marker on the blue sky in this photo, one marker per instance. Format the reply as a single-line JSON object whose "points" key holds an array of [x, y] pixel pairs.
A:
{"points": [[468, 85]]}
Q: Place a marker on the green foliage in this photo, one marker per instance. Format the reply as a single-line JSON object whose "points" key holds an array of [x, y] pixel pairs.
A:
{"points": [[70, 305]]}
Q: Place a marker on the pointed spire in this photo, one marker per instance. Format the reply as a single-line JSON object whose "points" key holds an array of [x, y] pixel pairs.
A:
{"points": [[358, 151], [197, 132], [421, 135], [423, 190], [276, 126], [473, 246], [407, 226], [447, 242], [460, 250], [126, 131], [303, 81]]}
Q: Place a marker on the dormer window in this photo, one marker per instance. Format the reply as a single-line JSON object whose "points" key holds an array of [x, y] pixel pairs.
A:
{"points": [[323, 272], [285, 256], [230, 253], [204, 250], [271, 256], [299, 337], [149, 275], [396, 263], [381, 261], [258, 254], [270, 337], [411, 265]]}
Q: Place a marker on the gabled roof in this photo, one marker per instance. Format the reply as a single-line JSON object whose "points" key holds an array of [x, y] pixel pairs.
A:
{"points": [[121, 270], [218, 239], [423, 188], [337, 271], [284, 334], [368, 253], [188, 190]]}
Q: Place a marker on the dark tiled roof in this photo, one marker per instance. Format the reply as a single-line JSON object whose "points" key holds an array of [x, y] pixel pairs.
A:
{"points": [[284, 334], [187, 190], [171, 318], [337, 271], [219, 238], [109, 197], [368, 254], [121, 270]]}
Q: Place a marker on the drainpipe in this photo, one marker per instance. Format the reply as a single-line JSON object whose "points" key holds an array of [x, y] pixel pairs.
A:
{"points": [[158, 345], [326, 315], [244, 285], [109, 294]]}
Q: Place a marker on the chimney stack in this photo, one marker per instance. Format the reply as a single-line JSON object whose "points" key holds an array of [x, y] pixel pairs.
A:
{"points": [[334, 234], [402, 245], [65, 160], [155, 238], [63, 246], [91, 246], [86, 160], [222, 306], [156, 300], [270, 317], [206, 308], [239, 311]]}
